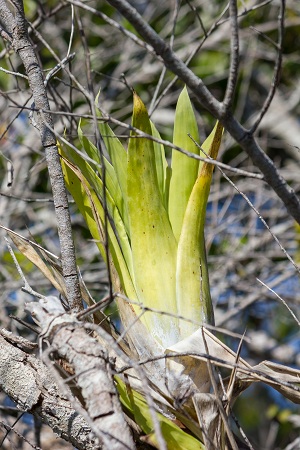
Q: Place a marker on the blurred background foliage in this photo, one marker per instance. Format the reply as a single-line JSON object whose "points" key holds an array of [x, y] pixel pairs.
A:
{"points": [[241, 249]]}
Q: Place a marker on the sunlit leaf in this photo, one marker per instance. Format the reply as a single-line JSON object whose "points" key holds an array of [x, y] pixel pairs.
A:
{"points": [[161, 167], [175, 437], [192, 283], [152, 240], [184, 168]]}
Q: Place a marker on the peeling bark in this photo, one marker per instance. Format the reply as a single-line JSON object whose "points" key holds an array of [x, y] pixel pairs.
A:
{"points": [[33, 386], [29, 383], [92, 371]]}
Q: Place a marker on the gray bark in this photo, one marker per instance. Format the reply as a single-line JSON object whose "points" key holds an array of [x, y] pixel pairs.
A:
{"points": [[40, 389], [15, 31], [28, 382], [92, 371], [220, 110]]}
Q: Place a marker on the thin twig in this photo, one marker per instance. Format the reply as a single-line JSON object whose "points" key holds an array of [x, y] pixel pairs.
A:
{"points": [[99, 145], [22, 45], [218, 400], [192, 54], [194, 9], [146, 309], [34, 244], [72, 31], [27, 288], [218, 110], [282, 300], [16, 74], [258, 215], [164, 70], [243, 434], [233, 376], [256, 296], [141, 134], [277, 69], [10, 428], [113, 23], [27, 200]]}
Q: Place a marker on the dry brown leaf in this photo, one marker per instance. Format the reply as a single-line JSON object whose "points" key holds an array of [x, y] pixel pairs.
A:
{"points": [[27, 250]]}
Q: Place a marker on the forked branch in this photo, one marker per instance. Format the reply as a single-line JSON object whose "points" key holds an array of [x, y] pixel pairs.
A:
{"points": [[219, 110]]}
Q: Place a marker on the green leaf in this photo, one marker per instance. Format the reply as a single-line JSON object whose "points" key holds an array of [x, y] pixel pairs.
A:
{"points": [[184, 168], [192, 282], [111, 179], [117, 153], [92, 211], [152, 240], [161, 166], [97, 185], [136, 405]]}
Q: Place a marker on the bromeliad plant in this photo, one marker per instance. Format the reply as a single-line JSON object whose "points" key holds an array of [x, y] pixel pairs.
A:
{"points": [[150, 216], [147, 219], [155, 218]]}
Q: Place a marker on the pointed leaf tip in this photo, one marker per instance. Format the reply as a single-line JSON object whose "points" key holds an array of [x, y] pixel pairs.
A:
{"points": [[184, 168], [152, 240], [211, 147]]}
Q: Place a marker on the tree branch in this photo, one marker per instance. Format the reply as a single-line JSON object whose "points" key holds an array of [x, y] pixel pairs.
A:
{"points": [[217, 109], [17, 27], [92, 370], [28, 382], [171, 61], [234, 55], [277, 70]]}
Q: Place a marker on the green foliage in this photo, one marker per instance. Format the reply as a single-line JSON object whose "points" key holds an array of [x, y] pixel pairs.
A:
{"points": [[156, 217], [136, 405], [155, 232]]}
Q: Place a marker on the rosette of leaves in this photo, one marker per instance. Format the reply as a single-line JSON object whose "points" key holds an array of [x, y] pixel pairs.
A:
{"points": [[155, 218], [147, 217], [152, 215]]}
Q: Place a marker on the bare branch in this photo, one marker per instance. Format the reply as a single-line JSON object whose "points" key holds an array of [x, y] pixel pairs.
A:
{"points": [[164, 70], [277, 69], [234, 55], [171, 61], [27, 381], [282, 300], [218, 110], [113, 23], [93, 372], [265, 165], [6, 17], [99, 145], [23, 46], [246, 198]]}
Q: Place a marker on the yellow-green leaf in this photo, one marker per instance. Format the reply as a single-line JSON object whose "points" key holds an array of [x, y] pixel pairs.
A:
{"points": [[161, 166], [96, 184], [152, 240], [117, 153], [136, 405], [184, 168], [111, 172], [192, 282], [92, 211]]}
